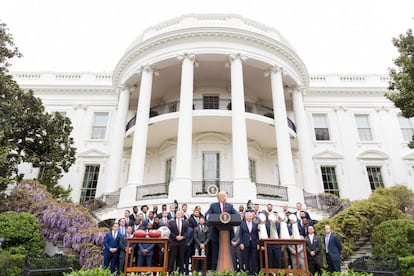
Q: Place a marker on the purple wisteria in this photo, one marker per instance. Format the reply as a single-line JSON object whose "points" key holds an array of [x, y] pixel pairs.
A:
{"points": [[62, 222]]}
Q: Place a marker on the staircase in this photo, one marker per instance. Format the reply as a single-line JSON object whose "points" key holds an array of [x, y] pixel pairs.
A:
{"points": [[364, 248]]}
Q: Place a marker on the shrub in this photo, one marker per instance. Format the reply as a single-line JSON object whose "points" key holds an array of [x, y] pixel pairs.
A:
{"points": [[393, 238], [407, 266], [90, 272], [21, 233], [60, 221], [362, 216], [11, 265]]}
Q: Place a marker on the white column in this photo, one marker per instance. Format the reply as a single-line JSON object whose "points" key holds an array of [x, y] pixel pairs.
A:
{"points": [[284, 151], [242, 186], [181, 187], [304, 143], [117, 140], [139, 145]]}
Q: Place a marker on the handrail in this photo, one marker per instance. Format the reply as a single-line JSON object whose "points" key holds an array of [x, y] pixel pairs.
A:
{"points": [[221, 104]]}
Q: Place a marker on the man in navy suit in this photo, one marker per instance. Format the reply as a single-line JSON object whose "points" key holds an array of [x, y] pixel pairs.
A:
{"points": [[217, 208], [178, 245], [333, 250], [111, 250], [249, 243]]}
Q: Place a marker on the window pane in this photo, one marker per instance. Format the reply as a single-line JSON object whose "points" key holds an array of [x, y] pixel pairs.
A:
{"points": [[364, 130], [330, 183], [90, 181], [320, 121], [406, 128], [211, 166], [320, 124], [210, 102], [364, 134], [375, 177], [168, 171], [362, 121], [252, 170], [99, 125]]}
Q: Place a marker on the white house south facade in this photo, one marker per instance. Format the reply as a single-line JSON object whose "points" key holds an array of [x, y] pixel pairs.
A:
{"points": [[211, 99]]}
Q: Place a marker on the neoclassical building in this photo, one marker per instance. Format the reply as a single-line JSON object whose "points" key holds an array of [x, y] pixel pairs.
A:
{"points": [[213, 100]]}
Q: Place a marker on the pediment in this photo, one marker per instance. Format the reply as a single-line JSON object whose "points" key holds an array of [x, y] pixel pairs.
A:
{"points": [[254, 146], [93, 153], [409, 156], [211, 137], [167, 145], [372, 154], [328, 154]]}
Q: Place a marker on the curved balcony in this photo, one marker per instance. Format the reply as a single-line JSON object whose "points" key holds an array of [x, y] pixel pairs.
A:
{"points": [[201, 104]]}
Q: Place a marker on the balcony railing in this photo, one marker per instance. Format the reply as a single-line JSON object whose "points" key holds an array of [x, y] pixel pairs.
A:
{"points": [[200, 187], [271, 191], [200, 104], [148, 191]]}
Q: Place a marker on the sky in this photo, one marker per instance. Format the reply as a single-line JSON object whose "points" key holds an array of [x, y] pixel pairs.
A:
{"points": [[331, 36]]}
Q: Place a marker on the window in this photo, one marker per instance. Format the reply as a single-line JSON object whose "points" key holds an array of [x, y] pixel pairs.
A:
{"points": [[406, 128], [375, 177], [330, 184], [364, 130], [100, 122], [211, 169], [320, 123], [168, 174], [252, 170], [210, 102], [172, 107], [90, 181]]}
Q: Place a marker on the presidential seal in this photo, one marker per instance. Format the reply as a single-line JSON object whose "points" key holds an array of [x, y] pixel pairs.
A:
{"points": [[212, 190], [225, 217]]}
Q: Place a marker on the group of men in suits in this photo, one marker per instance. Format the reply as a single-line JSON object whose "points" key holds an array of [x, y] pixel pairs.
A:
{"points": [[191, 233]]}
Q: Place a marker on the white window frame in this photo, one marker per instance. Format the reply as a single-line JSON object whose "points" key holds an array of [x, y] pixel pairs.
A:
{"points": [[94, 125], [406, 132], [363, 131], [326, 117]]}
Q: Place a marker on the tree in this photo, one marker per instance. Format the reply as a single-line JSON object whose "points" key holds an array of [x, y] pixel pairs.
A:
{"points": [[27, 132], [402, 77]]}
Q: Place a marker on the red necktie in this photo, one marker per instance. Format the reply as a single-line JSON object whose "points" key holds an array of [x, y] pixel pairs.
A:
{"points": [[222, 208]]}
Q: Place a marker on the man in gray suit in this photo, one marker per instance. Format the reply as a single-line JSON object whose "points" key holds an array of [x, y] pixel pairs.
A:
{"points": [[201, 239], [236, 253]]}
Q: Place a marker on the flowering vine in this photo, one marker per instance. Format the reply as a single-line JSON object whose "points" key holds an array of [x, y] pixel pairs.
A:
{"points": [[63, 222]]}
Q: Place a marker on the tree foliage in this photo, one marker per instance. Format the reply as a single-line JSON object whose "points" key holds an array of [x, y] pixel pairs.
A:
{"points": [[402, 76], [27, 132]]}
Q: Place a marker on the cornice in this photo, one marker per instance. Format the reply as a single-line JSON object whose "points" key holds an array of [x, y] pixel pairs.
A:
{"points": [[157, 41], [314, 91]]}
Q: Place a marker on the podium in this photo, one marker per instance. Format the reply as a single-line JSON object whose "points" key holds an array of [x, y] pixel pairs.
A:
{"points": [[224, 223]]}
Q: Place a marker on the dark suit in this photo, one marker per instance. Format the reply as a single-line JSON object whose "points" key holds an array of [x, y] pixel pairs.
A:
{"points": [[111, 242], [177, 248], [333, 253], [145, 258], [237, 255], [314, 262], [201, 236], [215, 208], [250, 241], [122, 252]]}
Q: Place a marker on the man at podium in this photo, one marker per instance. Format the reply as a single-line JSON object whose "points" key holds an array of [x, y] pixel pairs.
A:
{"points": [[217, 208]]}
